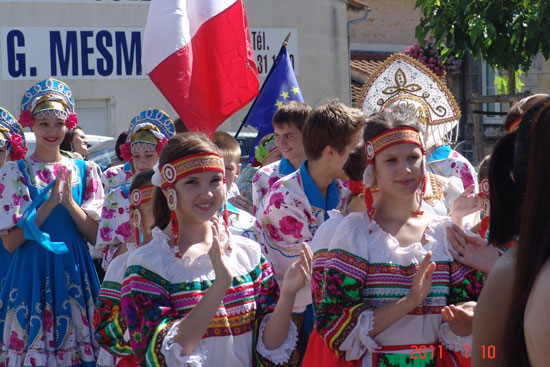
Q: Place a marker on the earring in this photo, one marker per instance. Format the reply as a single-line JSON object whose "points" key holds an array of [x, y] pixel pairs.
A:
{"points": [[172, 199], [136, 221]]}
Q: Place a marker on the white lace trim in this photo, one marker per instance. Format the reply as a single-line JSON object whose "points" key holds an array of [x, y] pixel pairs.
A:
{"points": [[452, 341], [358, 341], [172, 350], [282, 354]]}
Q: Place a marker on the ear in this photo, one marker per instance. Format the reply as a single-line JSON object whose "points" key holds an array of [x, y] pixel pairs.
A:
{"points": [[238, 170], [328, 151]]}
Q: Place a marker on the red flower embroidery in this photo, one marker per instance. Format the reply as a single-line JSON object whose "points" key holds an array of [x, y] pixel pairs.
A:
{"points": [[291, 226]]}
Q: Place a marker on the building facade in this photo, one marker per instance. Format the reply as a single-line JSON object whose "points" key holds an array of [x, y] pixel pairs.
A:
{"points": [[95, 46]]}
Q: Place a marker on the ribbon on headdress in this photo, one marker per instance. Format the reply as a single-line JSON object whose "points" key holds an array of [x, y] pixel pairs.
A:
{"points": [[514, 125], [382, 141]]}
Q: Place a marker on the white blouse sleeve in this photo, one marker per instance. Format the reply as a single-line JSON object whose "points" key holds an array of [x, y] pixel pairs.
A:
{"points": [[281, 354], [92, 201], [172, 350], [14, 195]]}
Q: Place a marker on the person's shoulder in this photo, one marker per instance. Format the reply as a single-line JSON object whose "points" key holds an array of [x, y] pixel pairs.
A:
{"points": [[498, 286], [152, 256], [536, 324]]}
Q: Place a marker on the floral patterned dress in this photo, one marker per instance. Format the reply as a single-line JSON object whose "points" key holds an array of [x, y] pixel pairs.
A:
{"points": [[160, 288], [267, 176], [116, 176], [114, 226], [47, 302], [365, 269], [447, 163], [291, 213]]}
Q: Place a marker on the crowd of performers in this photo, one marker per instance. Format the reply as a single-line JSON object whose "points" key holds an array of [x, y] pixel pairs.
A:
{"points": [[358, 237]]}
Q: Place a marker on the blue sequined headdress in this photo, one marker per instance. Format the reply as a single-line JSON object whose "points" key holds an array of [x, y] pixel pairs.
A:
{"points": [[148, 131], [11, 135], [48, 98]]}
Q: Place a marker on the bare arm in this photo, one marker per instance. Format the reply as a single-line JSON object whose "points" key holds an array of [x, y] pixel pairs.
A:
{"points": [[491, 310], [193, 326], [296, 277], [536, 324]]}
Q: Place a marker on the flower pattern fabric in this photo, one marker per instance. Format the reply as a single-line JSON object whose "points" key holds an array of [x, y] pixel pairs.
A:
{"points": [[291, 213], [453, 164], [265, 177]]}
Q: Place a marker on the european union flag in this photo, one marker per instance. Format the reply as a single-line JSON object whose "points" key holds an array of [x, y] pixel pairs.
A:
{"points": [[280, 86]]}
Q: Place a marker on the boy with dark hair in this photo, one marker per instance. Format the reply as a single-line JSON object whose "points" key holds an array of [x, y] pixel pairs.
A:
{"points": [[298, 203], [287, 125]]}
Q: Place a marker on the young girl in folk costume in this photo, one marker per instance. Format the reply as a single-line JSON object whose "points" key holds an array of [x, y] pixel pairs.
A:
{"points": [[12, 148], [48, 297], [380, 304], [110, 326], [212, 301], [148, 133]]}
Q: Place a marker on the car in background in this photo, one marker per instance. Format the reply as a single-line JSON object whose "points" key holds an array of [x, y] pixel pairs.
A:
{"points": [[246, 141], [103, 154]]}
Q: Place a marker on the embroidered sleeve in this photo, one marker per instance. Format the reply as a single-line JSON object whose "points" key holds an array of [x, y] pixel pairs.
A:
{"points": [[114, 225], [148, 312], [343, 320], [285, 222], [466, 283], [14, 195], [92, 200], [109, 323]]}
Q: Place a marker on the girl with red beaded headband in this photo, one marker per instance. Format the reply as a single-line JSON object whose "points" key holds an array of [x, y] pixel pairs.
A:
{"points": [[200, 302], [109, 324], [395, 245]]}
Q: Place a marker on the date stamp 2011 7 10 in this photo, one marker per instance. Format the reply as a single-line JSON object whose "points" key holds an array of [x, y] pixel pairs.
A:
{"points": [[423, 351]]}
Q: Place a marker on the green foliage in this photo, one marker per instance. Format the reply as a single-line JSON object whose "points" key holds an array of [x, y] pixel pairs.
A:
{"points": [[505, 33], [501, 82]]}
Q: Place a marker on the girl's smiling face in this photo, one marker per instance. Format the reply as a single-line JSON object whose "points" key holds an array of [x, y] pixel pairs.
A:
{"points": [[49, 132]]}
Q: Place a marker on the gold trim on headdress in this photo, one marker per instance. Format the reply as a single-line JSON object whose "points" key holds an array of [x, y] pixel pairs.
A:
{"points": [[199, 162], [45, 103]]}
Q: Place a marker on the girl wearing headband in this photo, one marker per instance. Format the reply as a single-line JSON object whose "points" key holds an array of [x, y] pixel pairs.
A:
{"points": [[148, 133], [212, 301], [51, 205], [12, 148], [380, 305], [110, 326]]}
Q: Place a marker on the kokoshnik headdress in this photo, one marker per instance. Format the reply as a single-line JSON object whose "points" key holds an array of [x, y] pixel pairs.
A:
{"points": [[166, 177], [384, 140], [148, 132], [405, 84], [48, 98], [139, 196], [12, 136]]}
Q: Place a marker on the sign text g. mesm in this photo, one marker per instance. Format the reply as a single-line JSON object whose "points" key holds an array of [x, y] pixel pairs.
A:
{"points": [[70, 53]]}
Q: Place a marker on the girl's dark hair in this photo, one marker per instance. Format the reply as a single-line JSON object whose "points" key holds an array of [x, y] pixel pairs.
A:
{"points": [[534, 247], [381, 121], [142, 179], [66, 144], [520, 107], [356, 163], [504, 195], [180, 145], [119, 142], [507, 179]]}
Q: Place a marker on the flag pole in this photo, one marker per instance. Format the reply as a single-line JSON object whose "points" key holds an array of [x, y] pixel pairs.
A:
{"points": [[285, 43]]}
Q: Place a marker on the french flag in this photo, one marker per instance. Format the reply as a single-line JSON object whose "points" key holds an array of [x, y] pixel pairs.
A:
{"points": [[198, 54]]}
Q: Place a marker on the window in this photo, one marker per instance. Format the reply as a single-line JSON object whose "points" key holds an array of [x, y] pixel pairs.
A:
{"points": [[93, 116], [489, 89]]}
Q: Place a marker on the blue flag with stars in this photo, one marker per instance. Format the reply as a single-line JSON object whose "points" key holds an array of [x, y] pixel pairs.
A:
{"points": [[280, 86]]}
